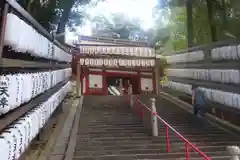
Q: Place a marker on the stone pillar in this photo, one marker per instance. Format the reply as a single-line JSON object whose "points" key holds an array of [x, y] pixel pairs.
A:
{"points": [[234, 152], [121, 87], [154, 118], [157, 76], [130, 89]]}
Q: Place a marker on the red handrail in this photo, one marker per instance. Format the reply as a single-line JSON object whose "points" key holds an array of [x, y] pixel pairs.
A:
{"points": [[167, 127]]}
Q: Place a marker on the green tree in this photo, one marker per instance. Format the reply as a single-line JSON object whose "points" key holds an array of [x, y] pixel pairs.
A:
{"points": [[60, 13], [212, 20], [45, 12], [119, 24]]}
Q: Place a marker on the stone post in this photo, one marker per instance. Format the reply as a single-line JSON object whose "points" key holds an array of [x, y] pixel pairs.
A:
{"points": [[154, 118]]}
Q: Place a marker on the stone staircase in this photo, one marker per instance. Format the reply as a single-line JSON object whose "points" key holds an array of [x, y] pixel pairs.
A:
{"points": [[108, 130]]}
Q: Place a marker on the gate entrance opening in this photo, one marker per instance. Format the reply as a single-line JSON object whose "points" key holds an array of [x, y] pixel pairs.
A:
{"points": [[123, 82]]}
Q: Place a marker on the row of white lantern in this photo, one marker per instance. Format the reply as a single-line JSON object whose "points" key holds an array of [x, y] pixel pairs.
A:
{"points": [[25, 39], [16, 89], [226, 98], [186, 88], [117, 62], [61, 55], [231, 52], [130, 51], [216, 75], [185, 57], [16, 139]]}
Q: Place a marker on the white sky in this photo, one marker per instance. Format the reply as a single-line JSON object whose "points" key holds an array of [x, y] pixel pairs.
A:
{"points": [[141, 9]]}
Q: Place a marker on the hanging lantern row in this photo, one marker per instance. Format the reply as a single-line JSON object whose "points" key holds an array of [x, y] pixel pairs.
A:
{"points": [[117, 62], [130, 51]]}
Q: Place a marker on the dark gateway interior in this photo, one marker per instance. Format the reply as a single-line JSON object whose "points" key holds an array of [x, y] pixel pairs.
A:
{"points": [[115, 82]]}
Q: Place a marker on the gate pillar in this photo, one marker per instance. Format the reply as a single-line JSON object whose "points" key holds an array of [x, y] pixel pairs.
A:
{"points": [[78, 87], [156, 77]]}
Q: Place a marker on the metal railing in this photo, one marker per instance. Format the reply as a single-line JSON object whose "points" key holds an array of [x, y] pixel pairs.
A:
{"points": [[140, 108]]}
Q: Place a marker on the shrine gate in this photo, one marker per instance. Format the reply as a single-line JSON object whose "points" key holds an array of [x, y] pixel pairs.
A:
{"points": [[101, 60]]}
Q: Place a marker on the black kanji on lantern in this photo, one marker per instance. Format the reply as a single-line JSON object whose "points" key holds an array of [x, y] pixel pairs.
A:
{"points": [[3, 102], [3, 91]]}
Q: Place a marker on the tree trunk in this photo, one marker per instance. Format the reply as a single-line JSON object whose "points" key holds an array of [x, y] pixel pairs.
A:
{"points": [[211, 20], [64, 18], [224, 17], [29, 5], [189, 6], [224, 12]]}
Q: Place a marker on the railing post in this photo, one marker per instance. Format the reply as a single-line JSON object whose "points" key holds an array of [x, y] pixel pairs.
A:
{"points": [[234, 151], [167, 138], [154, 118], [187, 151]]}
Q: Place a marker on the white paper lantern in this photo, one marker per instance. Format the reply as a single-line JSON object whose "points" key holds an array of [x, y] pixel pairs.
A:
{"points": [[21, 126], [5, 149], [17, 140], [8, 137], [5, 94]]}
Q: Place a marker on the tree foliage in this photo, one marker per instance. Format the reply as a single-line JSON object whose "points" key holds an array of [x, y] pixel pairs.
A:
{"points": [[57, 14], [121, 25], [45, 12], [213, 20]]}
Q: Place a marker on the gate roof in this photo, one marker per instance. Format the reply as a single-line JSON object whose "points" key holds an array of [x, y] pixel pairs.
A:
{"points": [[92, 40], [103, 47]]}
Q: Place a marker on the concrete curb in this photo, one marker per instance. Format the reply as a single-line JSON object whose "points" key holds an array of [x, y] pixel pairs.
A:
{"points": [[60, 146], [74, 132]]}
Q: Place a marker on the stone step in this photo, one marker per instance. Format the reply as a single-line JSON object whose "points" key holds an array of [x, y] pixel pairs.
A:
{"points": [[158, 139], [103, 151], [132, 158], [106, 132], [116, 123], [148, 142], [149, 155], [113, 132], [108, 127], [154, 147]]}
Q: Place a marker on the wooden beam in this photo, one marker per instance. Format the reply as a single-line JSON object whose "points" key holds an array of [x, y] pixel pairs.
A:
{"points": [[121, 68], [218, 65], [208, 84], [16, 63], [111, 56]]}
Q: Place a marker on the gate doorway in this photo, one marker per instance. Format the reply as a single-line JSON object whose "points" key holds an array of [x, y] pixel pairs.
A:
{"points": [[114, 82]]}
